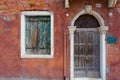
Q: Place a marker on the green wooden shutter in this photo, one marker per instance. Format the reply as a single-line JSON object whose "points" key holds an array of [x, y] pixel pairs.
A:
{"points": [[38, 35]]}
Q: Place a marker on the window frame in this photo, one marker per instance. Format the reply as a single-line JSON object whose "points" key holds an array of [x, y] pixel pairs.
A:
{"points": [[23, 25]]}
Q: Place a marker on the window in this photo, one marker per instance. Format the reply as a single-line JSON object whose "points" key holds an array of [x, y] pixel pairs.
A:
{"points": [[37, 34]]}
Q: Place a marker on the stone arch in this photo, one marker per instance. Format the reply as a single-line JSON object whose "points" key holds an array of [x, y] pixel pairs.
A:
{"points": [[88, 10]]}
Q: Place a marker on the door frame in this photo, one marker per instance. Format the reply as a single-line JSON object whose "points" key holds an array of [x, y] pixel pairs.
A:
{"points": [[102, 29]]}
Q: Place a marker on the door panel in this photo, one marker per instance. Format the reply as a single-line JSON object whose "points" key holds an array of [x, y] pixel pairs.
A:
{"points": [[86, 52]]}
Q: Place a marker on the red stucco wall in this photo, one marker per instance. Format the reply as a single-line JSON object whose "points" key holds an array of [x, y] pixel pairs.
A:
{"points": [[12, 65]]}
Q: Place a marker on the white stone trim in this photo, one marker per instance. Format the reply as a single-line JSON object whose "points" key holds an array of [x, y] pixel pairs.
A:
{"points": [[102, 29], [71, 32], [36, 13], [88, 10], [112, 3], [87, 79], [71, 29], [67, 4]]}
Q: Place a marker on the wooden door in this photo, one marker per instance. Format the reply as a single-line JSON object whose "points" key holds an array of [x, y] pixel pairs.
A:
{"points": [[86, 53]]}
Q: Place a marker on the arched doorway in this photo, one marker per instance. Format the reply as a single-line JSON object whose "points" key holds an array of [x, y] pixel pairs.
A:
{"points": [[86, 47], [102, 43]]}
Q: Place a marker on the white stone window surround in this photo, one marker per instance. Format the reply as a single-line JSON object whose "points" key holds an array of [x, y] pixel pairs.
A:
{"points": [[36, 13], [102, 29]]}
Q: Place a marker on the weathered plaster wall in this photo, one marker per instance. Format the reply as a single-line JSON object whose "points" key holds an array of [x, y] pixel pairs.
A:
{"points": [[12, 66]]}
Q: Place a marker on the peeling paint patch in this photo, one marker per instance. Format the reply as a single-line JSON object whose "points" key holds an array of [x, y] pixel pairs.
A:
{"points": [[3, 7], [108, 70], [8, 18]]}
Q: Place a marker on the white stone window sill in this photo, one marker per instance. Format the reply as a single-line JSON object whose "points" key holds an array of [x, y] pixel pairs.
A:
{"points": [[87, 79], [37, 56]]}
